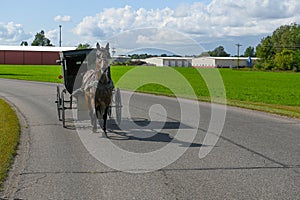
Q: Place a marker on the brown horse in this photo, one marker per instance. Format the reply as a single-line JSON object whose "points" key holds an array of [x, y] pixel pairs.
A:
{"points": [[98, 88]]}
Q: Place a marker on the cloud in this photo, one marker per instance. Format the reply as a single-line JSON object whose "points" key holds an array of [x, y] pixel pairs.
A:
{"points": [[65, 18], [52, 35], [12, 33], [204, 23]]}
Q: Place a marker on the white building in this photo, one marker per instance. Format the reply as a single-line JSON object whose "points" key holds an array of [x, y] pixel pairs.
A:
{"points": [[201, 62], [223, 62], [170, 61]]}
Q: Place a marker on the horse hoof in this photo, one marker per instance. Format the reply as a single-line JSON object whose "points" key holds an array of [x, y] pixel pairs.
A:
{"points": [[104, 134], [92, 122], [101, 124]]}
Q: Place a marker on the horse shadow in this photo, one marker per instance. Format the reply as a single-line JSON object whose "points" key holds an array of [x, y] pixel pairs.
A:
{"points": [[136, 131], [132, 133]]}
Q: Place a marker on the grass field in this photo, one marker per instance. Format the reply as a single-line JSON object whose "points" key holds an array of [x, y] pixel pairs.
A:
{"points": [[276, 92], [45, 73], [9, 138]]}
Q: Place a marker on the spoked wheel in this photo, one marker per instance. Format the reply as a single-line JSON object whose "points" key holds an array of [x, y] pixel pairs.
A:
{"points": [[118, 106], [58, 102], [63, 108], [109, 113]]}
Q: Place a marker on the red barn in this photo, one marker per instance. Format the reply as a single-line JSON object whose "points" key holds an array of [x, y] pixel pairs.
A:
{"points": [[31, 55]]}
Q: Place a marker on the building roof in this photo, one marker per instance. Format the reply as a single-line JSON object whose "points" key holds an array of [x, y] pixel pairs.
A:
{"points": [[226, 58], [35, 48], [205, 57], [169, 58]]}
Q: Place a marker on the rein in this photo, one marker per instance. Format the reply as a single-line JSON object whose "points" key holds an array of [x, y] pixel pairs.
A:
{"points": [[96, 82]]}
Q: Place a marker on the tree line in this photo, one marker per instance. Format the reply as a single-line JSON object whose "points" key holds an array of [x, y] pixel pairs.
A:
{"points": [[279, 51]]}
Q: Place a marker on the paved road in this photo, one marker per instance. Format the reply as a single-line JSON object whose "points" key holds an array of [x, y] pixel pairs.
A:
{"points": [[256, 157]]}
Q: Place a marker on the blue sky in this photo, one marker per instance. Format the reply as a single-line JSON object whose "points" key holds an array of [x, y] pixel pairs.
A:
{"points": [[183, 27]]}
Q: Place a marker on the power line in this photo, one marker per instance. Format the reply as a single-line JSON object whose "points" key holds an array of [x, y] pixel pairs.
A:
{"points": [[284, 47]]}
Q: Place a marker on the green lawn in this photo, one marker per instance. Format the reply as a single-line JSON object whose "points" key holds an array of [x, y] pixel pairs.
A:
{"points": [[9, 138], [276, 92], [268, 87], [45, 73], [255, 86]]}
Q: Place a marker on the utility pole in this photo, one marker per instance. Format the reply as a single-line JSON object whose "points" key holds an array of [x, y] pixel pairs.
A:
{"points": [[238, 54], [113, 51], [59, 35]]}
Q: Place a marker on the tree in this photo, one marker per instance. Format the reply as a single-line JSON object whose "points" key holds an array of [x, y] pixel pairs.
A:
{"points": [[286, 37], [41, 40], [24, 43], [219, 52], [249, 52], [285, 60], [266, 52], [84, 46], [134, 56], [281, 49], [266, 49], [296, 67]]}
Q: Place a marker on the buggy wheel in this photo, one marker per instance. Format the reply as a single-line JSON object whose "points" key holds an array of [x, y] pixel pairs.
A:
{"points": [[63, 109], [58, 102], [109, 113], [118, 106], [71, 102]]}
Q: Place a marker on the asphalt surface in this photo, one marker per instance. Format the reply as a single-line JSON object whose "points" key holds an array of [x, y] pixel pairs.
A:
{"points": [[256, 157]]}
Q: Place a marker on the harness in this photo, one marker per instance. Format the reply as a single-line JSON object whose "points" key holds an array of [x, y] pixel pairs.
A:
{"points": [[93, 83]]}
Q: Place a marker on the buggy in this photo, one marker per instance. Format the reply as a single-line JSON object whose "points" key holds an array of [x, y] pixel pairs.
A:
{"points": [[74, 65]]}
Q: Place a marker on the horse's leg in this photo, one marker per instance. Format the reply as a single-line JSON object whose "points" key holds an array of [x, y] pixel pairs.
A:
{"points": [[93, 110], [104, 121], [87, 100]]}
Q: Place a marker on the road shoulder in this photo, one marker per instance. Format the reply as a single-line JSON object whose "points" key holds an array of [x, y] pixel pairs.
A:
{"points": [[10, 186]]}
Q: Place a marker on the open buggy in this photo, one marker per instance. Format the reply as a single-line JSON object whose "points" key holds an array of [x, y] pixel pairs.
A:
{"points": [[75, 64]]}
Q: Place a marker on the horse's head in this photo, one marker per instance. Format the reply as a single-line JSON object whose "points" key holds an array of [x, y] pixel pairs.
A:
{"points": [[102, 62]]}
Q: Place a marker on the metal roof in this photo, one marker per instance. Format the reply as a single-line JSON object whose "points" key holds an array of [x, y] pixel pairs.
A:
{"points": [[205, 57], [35, 48], [226, 58], [169, 58]]}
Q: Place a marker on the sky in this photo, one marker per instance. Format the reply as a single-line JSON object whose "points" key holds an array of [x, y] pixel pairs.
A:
{"points": [[182, 27]]}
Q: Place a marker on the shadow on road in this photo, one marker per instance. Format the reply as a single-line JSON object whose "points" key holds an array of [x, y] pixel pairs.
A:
{"points": [[140, 129], [132, 133]]}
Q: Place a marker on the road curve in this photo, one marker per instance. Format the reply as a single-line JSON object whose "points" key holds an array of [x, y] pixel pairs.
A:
{"points": [[256, 156]]}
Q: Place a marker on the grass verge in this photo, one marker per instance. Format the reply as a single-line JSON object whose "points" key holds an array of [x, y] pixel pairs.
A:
{"points": [[290, 111], [9, 138]]}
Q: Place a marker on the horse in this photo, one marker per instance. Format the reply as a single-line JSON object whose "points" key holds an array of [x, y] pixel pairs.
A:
{"points": [[98, 88]]}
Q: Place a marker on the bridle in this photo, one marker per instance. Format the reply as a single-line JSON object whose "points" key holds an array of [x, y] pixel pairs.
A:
{"points": [[104, 60]]}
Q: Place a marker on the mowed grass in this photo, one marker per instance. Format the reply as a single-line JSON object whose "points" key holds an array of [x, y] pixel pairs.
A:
{"points": [[9, 138], [276, 92], [44, 73]]}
